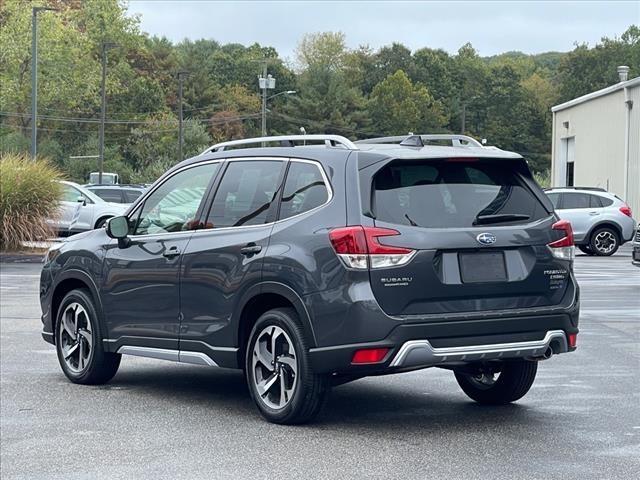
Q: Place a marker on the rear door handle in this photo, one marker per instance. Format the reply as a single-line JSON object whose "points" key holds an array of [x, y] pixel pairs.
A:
{"points": [[594, 213], [172, 252], [250, 249]]}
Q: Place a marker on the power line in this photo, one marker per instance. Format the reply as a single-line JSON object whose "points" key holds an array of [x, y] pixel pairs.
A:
{"points": [[128, 122]]}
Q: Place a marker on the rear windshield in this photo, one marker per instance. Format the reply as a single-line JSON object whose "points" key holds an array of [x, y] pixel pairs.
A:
{"points": [[453, 193]]}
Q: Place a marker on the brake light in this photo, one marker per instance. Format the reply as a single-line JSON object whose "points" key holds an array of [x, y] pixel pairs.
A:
{"points": [[358, 247], [564, 248], [573, 340], [626, 209], [369, 356]]}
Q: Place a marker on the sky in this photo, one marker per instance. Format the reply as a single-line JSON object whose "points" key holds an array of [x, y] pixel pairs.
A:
{"points": [[492, 27]]}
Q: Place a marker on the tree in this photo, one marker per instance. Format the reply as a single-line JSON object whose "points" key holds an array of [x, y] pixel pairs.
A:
{"points": [[397, 106]]}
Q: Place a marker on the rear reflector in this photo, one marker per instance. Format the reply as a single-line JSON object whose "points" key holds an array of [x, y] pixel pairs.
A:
{"points": [[564, 248], [358, 247], [369, 356], [573, 339], [626, 209]]}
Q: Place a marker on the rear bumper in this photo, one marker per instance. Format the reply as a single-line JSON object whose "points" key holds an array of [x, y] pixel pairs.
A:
{"points": [[451, 343]]}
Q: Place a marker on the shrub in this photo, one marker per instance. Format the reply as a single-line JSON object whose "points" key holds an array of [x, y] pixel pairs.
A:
{"points": [[29, 194]]}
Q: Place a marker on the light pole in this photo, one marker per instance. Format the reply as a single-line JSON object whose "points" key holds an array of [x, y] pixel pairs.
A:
{"points": [[181, 75], [34, 77], [103, 108]]}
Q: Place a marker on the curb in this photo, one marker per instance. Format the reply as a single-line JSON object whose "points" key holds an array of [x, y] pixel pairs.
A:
{"points": [[18, 257]]}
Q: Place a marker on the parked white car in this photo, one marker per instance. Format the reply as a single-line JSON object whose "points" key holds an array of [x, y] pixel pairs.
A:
{"points": [[83, 210]]}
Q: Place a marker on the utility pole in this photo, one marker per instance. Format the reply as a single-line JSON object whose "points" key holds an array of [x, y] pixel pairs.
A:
{"points": [[34, 77], [181, 75], [463, 118], [103, 108], [265, 82]]}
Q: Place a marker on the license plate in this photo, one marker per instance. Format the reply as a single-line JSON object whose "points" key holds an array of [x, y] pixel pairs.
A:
{"points": [[482, 267]]}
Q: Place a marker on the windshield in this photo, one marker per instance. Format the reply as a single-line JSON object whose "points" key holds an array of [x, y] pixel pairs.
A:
{"points": [[453, 193]]}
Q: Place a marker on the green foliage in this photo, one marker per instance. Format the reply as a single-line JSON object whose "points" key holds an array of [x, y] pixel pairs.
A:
{"points": [[398, 106], [29, 194], [358, 92]]}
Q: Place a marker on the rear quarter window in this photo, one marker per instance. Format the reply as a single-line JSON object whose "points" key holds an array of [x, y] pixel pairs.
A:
{"points": [[452, 193]]}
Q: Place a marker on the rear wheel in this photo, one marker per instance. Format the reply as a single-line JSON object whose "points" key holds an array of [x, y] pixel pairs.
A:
{"points": [[509, 384], [586, 249], [604, 242], [278, 370], [100, 223], [79, 341]]}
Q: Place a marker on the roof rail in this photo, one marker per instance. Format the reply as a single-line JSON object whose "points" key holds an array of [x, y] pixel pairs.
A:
{"points": [[287, 141], [590, 189], [456, 140]]}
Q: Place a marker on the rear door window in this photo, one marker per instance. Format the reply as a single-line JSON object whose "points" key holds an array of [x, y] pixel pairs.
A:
{"points": [[576, 200], [304, 189], [246, 194], [555, 199], [453, 193], [131, 195], [109, 194]]}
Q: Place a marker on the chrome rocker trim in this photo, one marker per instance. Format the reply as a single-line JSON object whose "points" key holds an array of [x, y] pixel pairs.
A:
{"points": [[422, 353], [194, 358]]}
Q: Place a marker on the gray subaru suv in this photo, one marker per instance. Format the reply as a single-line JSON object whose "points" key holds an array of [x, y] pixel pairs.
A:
{"points": [[601, 221], [311, 261]]}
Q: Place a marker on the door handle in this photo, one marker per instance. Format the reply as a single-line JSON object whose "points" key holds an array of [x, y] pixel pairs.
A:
{"points": [[172, 252], [250, 249], [594, 213]]}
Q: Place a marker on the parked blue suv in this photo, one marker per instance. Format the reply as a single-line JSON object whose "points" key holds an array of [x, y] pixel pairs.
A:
{"points": [[309, 261]]}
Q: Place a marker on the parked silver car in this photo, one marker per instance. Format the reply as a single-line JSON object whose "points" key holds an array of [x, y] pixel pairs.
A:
{"points": [[601, 221], [635, 252], [82, 210]]}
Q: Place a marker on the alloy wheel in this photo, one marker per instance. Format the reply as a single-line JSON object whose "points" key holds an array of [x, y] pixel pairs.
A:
{"points": [[76, 338], [275, 367], [605, 242]]}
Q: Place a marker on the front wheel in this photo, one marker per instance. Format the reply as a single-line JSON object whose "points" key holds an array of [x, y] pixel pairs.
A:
{"points": [[278, 370], [79, 341], [509, 384]]}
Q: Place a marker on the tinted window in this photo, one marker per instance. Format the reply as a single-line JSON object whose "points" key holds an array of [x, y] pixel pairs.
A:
{"points": [[555, 199], [605, 202], [70, 194], [109, 194], [304, 189], [245, 194], [131, 196], [575, 200], [452, 194], [172, 207]]}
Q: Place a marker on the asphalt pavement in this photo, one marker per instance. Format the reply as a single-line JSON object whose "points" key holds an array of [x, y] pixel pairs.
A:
{"points": [[157, 419]]}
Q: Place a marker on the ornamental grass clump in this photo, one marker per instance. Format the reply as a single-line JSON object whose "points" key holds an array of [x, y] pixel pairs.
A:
{"points": [[29, 195]]}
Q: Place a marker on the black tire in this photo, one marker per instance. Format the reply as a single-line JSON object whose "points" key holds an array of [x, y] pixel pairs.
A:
{"points": [[604, 242], [514, 381], [586, 249], [98, 366], [100, 223], [310, 390]]}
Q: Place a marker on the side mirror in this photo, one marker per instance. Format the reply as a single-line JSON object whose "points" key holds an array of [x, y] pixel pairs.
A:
{"points": [[81, 200], [118, 227]]}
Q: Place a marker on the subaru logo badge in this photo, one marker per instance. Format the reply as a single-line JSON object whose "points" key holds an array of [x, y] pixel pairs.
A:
{"points": [[486, 238]]}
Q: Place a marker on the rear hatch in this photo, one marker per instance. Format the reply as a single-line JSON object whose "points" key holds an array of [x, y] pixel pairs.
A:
{"points": [[479, 229]]}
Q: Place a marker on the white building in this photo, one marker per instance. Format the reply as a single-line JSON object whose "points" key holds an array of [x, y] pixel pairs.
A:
{"points": [[596, 141]]}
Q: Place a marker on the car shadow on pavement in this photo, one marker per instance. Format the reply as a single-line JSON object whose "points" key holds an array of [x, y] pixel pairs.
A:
{"points": [[362, 404]]}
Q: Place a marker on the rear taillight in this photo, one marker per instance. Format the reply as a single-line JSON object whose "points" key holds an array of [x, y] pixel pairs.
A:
{"points": [[626, 209], [368, 356], [564, 248], [358, 247], [573, 340]]}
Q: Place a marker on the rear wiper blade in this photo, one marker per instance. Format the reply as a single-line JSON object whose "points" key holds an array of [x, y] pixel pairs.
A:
{"points": [[501, 217]]}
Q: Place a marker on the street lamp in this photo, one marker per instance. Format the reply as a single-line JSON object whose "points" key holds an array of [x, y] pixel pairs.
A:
{"points": [[34, 76], [103, 108], [181, 75], [287, 92]]}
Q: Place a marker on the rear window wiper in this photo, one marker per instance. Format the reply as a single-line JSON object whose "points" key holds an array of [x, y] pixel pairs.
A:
{"points": [[498, 218]]}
